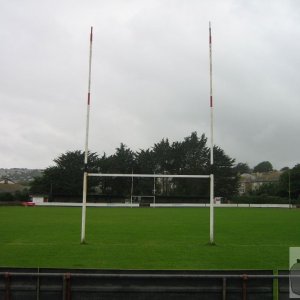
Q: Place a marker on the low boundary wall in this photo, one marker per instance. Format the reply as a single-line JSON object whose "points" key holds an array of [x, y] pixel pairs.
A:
{"points": [[67, 284], [79, 204]]}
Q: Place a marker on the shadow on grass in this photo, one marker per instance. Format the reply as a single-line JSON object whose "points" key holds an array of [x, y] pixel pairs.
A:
{"points": [[211, 244]]}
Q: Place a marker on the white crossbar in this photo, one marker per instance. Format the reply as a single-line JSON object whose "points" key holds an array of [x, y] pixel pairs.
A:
{"points": [[147, 175]]}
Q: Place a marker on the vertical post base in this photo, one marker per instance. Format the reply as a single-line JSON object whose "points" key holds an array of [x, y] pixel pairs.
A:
{"points": [[211, 211], [83, 218]]}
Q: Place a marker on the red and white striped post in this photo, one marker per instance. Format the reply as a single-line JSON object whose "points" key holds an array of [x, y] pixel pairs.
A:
{"points": [[211, 222], [86, 150]]}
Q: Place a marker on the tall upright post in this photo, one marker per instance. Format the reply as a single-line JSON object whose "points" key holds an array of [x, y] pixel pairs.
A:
{"points": [[211, 222], [86, 150], [290, 188], [154, 191], [131, 192]]}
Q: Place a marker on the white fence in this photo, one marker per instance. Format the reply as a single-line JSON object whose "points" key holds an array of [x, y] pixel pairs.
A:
{"points": [[163, 205]]}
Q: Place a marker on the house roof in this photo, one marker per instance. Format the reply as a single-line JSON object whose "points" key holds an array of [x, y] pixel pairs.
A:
{"points": [[6, 180], [11, 188], [272, 176]]}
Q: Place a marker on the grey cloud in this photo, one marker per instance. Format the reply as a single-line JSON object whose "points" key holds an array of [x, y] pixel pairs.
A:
{"points": [[149, 77]]}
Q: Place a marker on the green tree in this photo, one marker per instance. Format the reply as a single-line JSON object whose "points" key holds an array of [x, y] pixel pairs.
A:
{"points": [[264, 166], [269, 189], [226, 179], [122, 162], [162, 153], [289, 181], [105, 183], [163, 164], [242, 168], [145, 163], [66, 176], [284, 169], [192, 158]]}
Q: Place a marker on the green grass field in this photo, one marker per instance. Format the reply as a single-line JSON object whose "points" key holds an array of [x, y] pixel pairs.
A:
{"points": [[160, 238]]}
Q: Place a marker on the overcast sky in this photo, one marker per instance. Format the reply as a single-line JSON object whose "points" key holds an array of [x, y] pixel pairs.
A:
{"points": [[150, 77]]}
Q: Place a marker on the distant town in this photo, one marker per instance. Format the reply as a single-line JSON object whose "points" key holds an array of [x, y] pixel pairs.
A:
{"points": [[20, 175]]}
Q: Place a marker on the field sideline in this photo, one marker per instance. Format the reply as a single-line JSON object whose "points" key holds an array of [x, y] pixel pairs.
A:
{"points": [[160, 238]]}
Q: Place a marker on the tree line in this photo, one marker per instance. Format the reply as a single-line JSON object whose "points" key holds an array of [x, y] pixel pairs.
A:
{"points": [[189, 156], [264, 166]]}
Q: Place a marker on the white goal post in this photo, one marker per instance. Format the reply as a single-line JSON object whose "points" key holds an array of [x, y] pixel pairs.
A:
{"points": [[86, 174]]}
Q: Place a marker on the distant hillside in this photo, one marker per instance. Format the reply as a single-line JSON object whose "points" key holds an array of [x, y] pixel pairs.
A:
{"points": [[20, 174]]}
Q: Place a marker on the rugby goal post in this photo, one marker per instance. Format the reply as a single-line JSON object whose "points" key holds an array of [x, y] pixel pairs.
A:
{"points": [[211, 176]]}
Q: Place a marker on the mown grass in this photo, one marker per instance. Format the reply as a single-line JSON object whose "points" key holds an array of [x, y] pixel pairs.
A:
{"points": [[160, 238]]}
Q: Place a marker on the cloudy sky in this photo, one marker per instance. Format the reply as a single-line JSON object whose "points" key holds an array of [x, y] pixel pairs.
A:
{"points": [[150, 77]]}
